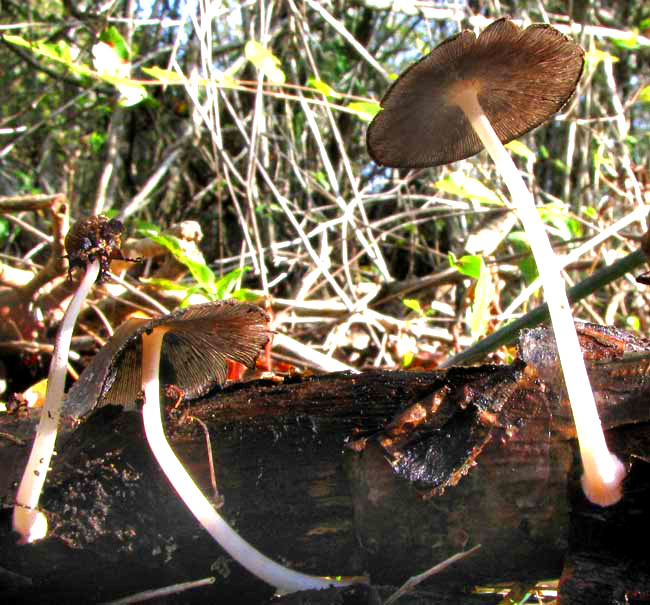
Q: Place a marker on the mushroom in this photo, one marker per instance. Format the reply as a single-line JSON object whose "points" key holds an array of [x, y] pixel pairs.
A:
{"points": [[190, 348], [470, 93], [89, 244]]}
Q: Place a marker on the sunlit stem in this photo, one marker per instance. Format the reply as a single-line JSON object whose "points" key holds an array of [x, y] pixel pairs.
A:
{"points": [[603, 471], [30, 523], [282, 578]]}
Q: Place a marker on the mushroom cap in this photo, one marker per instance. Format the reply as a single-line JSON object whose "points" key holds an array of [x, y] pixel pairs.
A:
{"points": [[521, 77], [196, 346]]}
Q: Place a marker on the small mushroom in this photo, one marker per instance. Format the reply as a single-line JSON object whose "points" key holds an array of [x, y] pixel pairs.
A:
{"points": [[29, 522], [190, 348], [470, 93]]}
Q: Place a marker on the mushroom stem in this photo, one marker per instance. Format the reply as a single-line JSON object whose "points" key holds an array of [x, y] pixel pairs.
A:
{"points": [[30, 523], [282, 578], [603, 471]]}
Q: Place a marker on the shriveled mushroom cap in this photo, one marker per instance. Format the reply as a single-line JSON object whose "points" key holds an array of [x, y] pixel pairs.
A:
{"points": [[521, 77], [197, 344]]}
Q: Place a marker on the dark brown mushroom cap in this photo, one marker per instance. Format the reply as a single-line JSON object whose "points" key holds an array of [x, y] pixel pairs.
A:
{"points": [[199, 341], [94, 238], [521, 77]]}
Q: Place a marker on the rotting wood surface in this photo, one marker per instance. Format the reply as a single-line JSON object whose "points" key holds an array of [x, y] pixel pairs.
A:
{"points": [[483, 455]]}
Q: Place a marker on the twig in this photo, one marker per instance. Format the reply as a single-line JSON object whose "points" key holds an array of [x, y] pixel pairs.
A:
{"points": [[158, 593], [411, 583]]}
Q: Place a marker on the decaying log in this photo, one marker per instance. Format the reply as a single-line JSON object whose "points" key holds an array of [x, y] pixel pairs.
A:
{"points": [[385, 473]]}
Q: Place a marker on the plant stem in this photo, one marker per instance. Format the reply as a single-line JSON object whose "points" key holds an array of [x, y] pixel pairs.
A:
{"points": [[603, 472], [30, 523], [508, 334], [285, 580]]}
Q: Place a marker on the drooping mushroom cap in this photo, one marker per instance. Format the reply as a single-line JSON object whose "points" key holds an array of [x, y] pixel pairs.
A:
{"points": [[197, 344], [521, 77]]}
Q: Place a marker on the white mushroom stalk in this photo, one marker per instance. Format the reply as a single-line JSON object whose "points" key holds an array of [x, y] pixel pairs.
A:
{"points": [[29, 522], [603, 471], [284, 580], [472, 93]]}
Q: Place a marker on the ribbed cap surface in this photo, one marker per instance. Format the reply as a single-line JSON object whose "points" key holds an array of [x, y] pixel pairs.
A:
{"points": [[521, 77]]}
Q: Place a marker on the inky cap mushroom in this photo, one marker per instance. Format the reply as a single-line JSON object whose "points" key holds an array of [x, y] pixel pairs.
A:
{"points": [[189, 348], [469, 93], [197, 343], [519, 77], [88, 244]]}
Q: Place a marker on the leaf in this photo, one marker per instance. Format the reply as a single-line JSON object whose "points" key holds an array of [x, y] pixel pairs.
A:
{"points": [[4, 229], [458, 183], [166, 76], [556, 216], [225, 285], [365, 110], [108, 62], [590, 212], [265, 61], [112, 37], [164, 284], [644, 95], [594, 57], [413, 304], [35, 395], [467, 265], [115, 70], [527, 264], [61, 52], [631, 43], [323, 88], [481, 304], [518, 148], [200, 272], [97, 140]]}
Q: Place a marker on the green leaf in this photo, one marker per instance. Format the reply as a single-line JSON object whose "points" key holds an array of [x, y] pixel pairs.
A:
{"points": [[458, 183], [164, 284], [527, 264], [481, 304], [644, 95], [61, 52], [590, 212], [556, 216], [413, 304], [470, 266], [631, 43], [112, 37], [97, 140], [322, 179], [632, 321], [594, 57], [4, 229], [407, 360], [365, 110], [323, 88], [518, 148], [223, 288], [200, 272], [265, 61], [166, 76], [246, 295]]}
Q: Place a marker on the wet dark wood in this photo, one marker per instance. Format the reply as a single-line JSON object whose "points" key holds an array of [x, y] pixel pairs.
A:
{"points": [[304, 467]]}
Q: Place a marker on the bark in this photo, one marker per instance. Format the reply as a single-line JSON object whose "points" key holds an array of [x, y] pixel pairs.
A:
{"points": [[386, 473]]}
